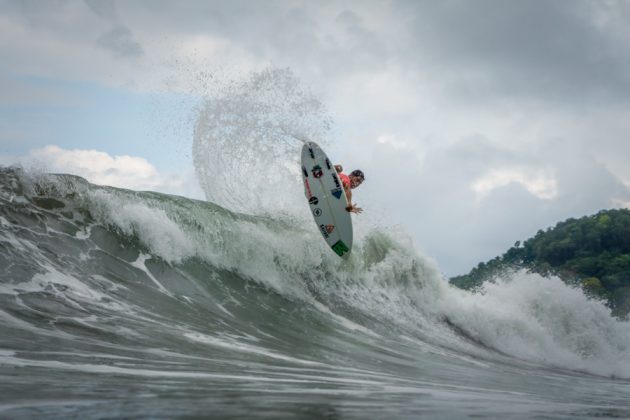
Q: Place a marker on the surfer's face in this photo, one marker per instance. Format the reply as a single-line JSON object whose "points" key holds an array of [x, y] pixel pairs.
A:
{"points": [[355, 181]]}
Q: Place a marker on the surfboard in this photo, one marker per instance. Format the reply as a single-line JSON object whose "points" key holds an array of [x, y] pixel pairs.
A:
{"points": [[327, 199]]}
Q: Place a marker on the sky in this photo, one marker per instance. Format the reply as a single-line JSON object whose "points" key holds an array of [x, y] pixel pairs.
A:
{"points": [[476, 122]]}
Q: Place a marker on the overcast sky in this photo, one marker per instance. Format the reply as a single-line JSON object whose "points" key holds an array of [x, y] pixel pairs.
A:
{"points": [[476, 122]]}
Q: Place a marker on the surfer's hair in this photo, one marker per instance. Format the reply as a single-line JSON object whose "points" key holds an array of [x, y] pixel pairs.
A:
{"points": [[359, 173]]}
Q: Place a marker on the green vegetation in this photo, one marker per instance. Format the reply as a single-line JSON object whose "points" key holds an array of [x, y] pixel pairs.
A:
{"points": [[593, 252]]}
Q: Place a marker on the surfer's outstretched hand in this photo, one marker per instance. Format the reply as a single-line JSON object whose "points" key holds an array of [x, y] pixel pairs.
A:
{"points": [[352, 208]]}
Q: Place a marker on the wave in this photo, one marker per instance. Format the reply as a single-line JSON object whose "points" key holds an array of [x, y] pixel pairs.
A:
{"points": [[101, 270]]}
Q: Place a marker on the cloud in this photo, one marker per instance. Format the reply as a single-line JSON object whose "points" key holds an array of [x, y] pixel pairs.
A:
{"points": [[392, 141], [120, 40], [621, 203], [123, 171], [105, 9], [558, 51], [477, 50], [538, 183]]}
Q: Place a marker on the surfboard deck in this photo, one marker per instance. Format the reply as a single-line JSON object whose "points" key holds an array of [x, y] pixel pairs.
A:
{"points": [[327, 199]]}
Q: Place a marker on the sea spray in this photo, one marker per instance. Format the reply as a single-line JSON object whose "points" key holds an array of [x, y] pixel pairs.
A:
{"points": [[248, 137]]}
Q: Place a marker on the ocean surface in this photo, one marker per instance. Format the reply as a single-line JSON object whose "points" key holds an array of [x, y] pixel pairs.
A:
{"points": [[117, 303]]}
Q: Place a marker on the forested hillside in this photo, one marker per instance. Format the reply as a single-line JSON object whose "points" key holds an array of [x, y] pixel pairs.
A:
{"points": [[593, 252]]}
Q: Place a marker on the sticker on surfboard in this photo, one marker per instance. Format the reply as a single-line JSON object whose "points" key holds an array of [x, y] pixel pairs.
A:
{"points": [[340, 248]]}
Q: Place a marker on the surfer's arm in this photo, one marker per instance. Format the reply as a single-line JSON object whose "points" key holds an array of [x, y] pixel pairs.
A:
{"points": [[348, 192], [351, 207]]}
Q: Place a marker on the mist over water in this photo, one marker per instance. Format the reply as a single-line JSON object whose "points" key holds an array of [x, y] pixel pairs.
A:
{"points": [[248, 137], [123, 303]]}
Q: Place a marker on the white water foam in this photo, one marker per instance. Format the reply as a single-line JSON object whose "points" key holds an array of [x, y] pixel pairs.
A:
{"points": [[545, 321], [54, 282], [140, 265], [238, 345], [536, 319], [153, 226]]}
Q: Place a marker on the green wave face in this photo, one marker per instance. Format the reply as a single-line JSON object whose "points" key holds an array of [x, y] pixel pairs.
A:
{"points": [[143, 304]]}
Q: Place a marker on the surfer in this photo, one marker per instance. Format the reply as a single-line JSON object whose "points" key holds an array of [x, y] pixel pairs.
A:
{"points": [[350, 182]]}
